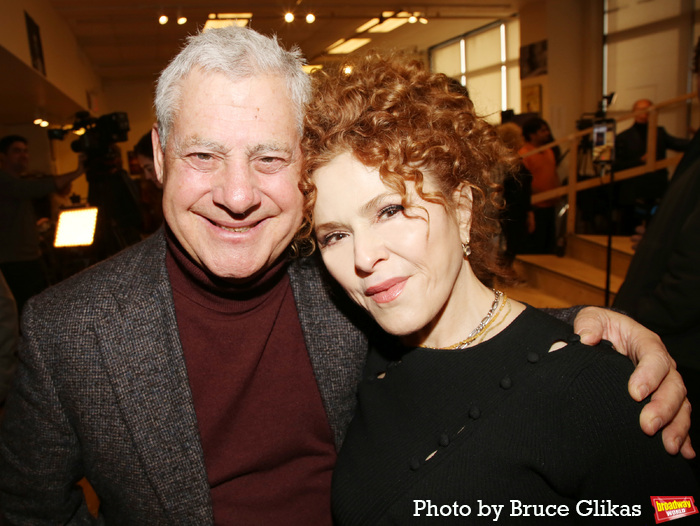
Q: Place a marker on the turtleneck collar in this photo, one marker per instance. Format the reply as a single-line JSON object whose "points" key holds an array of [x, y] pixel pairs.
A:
{"points": [[213, 292]]}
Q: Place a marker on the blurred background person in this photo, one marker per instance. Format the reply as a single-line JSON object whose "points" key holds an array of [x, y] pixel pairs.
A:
{"points": [[517, 217], [20, 255], [116, 194], [637, 198], [151, 189], [543, 167]]}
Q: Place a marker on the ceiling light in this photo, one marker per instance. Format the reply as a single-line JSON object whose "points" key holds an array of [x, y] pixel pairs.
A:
{"points": [[364, 27], [391, 21], [163, 20], [289, 17], [347, 70], [217, 20], [336, 43], [349, 46], [310, 18], [423, 20], [38, 121], [412, 19], [44, 124], [181, 20]]}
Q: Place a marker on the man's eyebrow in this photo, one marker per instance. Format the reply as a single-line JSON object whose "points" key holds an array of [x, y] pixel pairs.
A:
{"points": [[269, 147], [198, 141]]}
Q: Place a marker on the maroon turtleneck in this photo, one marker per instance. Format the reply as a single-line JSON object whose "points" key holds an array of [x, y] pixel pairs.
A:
{"points": [[268, 448]]}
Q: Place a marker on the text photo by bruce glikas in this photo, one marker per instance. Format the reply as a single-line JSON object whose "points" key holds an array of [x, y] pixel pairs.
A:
{"points": [[662, 509]]}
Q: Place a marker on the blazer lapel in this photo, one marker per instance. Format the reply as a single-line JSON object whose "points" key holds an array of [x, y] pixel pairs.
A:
{"points": [[337, 348], [140, 345]]}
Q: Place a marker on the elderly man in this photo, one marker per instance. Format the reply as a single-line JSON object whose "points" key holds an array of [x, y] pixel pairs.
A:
{"points": [[200, 376]]}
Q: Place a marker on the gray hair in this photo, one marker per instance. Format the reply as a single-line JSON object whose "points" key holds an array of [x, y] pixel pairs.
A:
{"points": [[238, 53]]}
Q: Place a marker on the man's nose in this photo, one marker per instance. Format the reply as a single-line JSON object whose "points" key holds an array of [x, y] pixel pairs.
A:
{"points": [[236, 188], [370, 249]]}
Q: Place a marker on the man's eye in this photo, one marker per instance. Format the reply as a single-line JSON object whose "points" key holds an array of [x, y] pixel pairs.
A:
{"points": [[270, 164], [203, 156]]}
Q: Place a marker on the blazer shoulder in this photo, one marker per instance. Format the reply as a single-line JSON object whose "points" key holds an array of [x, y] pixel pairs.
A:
{"points": [[130, 273]]}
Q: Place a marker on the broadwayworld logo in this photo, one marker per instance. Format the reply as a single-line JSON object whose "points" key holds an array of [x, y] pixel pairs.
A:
{"points": [[670, 508]]}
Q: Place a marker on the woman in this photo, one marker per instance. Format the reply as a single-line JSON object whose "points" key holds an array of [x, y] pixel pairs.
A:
{"points": [[469, 411]]}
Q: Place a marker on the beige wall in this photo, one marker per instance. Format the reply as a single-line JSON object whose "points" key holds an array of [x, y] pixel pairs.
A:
{"points": [[67, 68]]}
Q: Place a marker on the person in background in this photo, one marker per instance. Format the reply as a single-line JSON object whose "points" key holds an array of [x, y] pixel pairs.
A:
{"points": [[517, 218], [20, 256], [638, 197], [151, 188], [204, 375], [401, 181], [543, 167]]}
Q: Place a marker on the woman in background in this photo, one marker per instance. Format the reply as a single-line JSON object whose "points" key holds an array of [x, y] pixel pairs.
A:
{"points": [[469, 405]]}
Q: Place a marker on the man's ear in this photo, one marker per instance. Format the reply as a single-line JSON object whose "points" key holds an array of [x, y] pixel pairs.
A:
{"points": [[158, 156], [462, 199]]}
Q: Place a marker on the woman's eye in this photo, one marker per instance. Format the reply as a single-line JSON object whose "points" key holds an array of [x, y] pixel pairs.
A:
{"points": [[390, 211], [330, 239]]}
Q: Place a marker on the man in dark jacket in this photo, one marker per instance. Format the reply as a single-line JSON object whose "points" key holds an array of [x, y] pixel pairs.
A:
{"points": [[638, 197], [201, 376]]}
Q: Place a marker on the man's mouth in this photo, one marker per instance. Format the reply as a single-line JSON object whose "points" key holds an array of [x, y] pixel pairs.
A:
{"points": [[237, 230]]}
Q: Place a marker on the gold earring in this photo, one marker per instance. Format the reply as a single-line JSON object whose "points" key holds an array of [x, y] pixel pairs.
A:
{"points": [[466, 249]]}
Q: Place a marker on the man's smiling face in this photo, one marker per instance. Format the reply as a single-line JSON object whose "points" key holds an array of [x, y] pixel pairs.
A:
{"points": [[230, 172]]}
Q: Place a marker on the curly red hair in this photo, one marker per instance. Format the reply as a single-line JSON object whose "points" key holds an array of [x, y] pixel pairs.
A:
{"points": [[395, 116]]}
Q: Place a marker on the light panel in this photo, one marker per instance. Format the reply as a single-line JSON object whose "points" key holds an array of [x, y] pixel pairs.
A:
{"points": [[76, 227], [349, 46]]}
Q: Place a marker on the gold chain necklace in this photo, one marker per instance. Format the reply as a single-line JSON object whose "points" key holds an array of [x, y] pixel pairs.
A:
{"points": [[499, 301]]}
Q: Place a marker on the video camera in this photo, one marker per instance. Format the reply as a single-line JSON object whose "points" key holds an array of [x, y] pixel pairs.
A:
{"points": [[100, 133]]}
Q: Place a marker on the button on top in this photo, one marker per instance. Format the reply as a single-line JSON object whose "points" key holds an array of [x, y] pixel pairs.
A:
{"points": [[506, 382], [474, 412], [414, 464], [533, 357], [444, 440]]}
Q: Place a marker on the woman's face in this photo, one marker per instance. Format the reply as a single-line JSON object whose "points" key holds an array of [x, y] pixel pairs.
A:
{"points": [[395, 263]]}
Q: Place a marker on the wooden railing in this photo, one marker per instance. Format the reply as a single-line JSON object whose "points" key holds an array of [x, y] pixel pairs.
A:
{"points": [[572, 142]]}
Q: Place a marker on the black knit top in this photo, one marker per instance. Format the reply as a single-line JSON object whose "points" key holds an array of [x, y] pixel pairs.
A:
{"points": [[443, 434]]}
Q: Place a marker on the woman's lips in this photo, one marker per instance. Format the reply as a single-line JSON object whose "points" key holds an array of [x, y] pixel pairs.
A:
{"points": [[386, 291]]}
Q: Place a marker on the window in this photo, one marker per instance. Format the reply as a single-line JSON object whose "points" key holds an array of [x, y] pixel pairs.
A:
{"points": [[486, 62]]}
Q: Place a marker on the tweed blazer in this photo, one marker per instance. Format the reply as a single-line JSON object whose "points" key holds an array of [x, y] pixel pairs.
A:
{"points": [[102, 392]]}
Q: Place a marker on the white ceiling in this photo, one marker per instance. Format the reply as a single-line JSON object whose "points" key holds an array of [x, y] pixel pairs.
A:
{"points": [[123, 40]]}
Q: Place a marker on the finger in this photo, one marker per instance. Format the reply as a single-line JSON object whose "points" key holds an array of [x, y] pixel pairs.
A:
{"points": [[666, 406], [687, 450], [654, 367], [589, 326], [675, 434]]}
